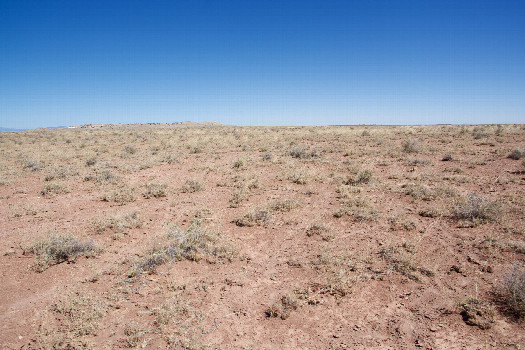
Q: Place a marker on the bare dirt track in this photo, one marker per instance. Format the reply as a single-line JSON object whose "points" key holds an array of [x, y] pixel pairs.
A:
{"points": [[222, 237]]}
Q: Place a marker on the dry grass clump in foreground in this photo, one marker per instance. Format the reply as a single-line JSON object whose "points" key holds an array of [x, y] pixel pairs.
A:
{"points": [[402, 260], [194, 244], [155, 190], [59, 248], [73, 317], [254, 218], [191, 186], [513, 290], [476, 210]]}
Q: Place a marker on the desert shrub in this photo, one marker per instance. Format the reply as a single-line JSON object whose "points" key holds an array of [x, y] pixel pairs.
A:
{"points": [[362, 177], [91, 161], [267, 156], [52, 189], [479, 133], [513, 290], [284, 205], [517, 154], [283, 307], [81, 312], [194, 244], [58, 248], [122, 195], [155, 190], [302, 152], [191, 186], [254, 218], [238, 164], [477, 312], [238, 197], [128, 149], [33, 165], [476, 209], [401, 260], [118, 223], [411, 146], [299, 177]]}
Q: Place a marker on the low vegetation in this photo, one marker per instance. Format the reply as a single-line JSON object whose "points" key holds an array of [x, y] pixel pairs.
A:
{"points": [[57, 248]]}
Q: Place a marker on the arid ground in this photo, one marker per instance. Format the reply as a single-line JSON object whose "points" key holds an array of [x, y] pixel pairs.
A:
{"points": [[191, 236]]}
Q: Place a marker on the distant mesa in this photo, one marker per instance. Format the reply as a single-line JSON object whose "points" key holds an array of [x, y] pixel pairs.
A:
{"points": [[186, 124]]}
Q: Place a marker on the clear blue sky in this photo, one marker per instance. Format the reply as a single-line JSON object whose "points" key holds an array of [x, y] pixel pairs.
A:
{"points": [[261, 62]]}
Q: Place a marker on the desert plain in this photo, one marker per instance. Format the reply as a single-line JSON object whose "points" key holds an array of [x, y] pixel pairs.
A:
{"points": [[206, 236]]}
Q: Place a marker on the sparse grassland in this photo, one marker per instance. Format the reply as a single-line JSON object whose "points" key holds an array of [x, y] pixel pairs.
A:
{"points": [[211, 236]]}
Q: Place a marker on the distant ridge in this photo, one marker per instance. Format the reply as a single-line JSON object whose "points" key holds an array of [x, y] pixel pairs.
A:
{"points": [[13, 130], [10, 130]]}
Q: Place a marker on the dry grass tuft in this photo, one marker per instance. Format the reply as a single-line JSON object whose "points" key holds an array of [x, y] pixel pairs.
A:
{"points": [[58, 248], [513, 290], [155, 190], [283, 307], [254, 218], [477, 210], [401, 260], [191, 186]]}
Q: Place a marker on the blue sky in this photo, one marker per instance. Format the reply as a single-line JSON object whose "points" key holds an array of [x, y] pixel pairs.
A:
{"points": [[261, 62]]}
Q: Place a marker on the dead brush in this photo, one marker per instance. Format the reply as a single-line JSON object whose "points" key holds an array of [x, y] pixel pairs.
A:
{"points": [[517, 154], [284, 205], [401, 259], [512, 290], [58, 248], [302, 152], [155, 190], [283, 307], [194, 244], [122, 195], [239, 196], [254, 218], [361, 177], [118, 224], [476, 209], [191, 186], [411, 146]]}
